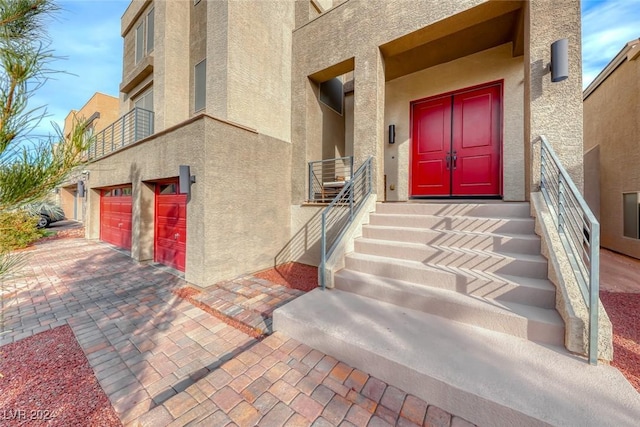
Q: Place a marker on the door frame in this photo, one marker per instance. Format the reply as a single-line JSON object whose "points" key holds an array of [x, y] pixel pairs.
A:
{"points": [[500, 84]]}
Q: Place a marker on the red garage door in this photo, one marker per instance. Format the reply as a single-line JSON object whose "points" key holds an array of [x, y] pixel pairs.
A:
{"points": [[115, 216], [171, 225]]}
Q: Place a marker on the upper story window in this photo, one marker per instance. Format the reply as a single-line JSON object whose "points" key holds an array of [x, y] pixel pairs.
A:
{"points": [[144, 36], [200, 85]]}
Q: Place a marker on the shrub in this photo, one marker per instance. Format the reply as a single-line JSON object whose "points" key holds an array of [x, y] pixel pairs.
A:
{"points": [[18, 230]]}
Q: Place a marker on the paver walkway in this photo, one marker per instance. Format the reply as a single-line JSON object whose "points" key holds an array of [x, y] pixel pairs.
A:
{"points": [[162, 361]]}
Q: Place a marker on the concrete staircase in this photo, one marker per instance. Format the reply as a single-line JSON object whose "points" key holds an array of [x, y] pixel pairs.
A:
{"points": [[478, 264], [450, 302]]}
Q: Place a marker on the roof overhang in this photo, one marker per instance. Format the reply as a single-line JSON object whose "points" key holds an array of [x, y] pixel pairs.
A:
{"points": [[629, 52]]}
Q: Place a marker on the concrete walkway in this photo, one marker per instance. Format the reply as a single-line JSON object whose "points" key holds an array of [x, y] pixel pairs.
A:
{"points": [[162, 361]]}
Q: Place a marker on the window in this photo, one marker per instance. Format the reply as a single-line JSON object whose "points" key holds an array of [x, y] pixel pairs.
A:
{"points": [[200, 85], [150, 27], [144, 40], [145, 101], [631, 215], [139, 42], [168, 189]]}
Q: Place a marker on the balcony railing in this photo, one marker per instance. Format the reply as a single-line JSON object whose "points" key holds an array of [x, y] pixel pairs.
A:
{"points": [[137, 124], [328, 177], [579, 233]]}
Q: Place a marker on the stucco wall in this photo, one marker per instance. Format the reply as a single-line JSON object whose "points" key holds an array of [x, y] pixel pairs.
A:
{"points": [[493, 64], [553, 109], [612, 121], [238, 216], [106, 105], [259, 66]]}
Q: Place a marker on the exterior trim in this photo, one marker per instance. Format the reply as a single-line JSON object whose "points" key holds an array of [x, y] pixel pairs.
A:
{"points": [[630, 52]]}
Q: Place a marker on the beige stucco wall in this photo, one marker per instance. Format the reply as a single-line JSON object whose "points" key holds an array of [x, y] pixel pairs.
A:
{"points": [[259, 65], [612, 122], [553, 109], [106, 105], [491, 65], [238, 217]]}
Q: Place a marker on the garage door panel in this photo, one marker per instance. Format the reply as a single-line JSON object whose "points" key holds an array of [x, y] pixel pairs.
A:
{"points": [[116, 217], [170, 226]]}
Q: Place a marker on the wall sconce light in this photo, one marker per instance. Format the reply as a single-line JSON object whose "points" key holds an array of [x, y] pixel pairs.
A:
{"points": [[80, 188], [392, 134], [186, 179], [559, 60]]}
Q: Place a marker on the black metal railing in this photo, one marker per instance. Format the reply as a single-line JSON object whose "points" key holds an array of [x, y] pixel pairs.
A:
{"points": [[137, 124]]}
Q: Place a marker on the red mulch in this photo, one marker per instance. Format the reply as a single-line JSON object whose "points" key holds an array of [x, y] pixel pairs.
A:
{"points": [[189, 293], [292, 275], [624, 311], [48, 381]]}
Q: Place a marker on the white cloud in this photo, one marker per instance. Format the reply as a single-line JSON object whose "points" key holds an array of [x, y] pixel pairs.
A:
{"points": [[606, 28]]}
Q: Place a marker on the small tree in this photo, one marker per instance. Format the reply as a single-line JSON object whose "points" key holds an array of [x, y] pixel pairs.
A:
{"points": [[28, 170]]}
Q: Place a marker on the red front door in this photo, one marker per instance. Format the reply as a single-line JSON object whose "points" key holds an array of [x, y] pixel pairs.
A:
{"points": [[171, 226], [456, 142], [115, 216]]}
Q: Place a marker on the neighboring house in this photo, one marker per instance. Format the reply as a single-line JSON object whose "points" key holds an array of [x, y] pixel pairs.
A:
{"points": [[612, 150], [99, 112]]}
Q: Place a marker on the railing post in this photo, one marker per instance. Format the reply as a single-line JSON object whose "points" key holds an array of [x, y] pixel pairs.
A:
{"points": [[123, 129], [560, 203], [594, 291], [135, 124], [323, 246], [310, 182]]}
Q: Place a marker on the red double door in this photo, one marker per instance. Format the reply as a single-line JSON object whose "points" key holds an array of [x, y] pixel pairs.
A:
{"points": [[456, 143], [170, 225]]}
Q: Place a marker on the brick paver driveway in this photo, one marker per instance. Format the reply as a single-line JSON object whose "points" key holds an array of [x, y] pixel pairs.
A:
{"points": [[161, 360]]}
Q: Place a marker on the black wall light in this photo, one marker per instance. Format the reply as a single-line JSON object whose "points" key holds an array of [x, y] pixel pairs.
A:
{"points": [[392, 134], [186, 179], [559, 60], [80, 188]]}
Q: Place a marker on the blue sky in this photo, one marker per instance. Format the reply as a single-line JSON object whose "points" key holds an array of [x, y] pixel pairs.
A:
{"points": [[87, 34]]}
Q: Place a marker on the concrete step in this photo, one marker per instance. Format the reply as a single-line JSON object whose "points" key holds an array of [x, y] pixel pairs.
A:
{"points": [[509, 243], [482, 210], [488, 378], [543, 325], [525, 265], [465, 281], [460, 223]]}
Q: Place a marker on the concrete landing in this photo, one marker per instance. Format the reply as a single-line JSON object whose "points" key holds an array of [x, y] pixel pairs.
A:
{"points": [[486, 377]]}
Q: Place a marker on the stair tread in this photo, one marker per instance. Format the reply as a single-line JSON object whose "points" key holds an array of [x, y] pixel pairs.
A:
{"points": [[459, 270], [454, 249], [435, 359], [531, 236], [511, 309], [474, 218]]}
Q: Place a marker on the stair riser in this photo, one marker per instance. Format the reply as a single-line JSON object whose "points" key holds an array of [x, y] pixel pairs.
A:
{"points": [[479, 225], [495, 321], [434, 256], [450, 281], [488, 210], [470, 241]]}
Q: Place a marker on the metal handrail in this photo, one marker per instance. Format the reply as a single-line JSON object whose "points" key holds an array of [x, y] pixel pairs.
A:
{"points": [[579, 233], [137, 124], [339, 214], [326, 177]]}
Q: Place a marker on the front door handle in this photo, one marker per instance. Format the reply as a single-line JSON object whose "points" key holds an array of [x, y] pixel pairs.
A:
{"points": [[176, 236], [448, 160], [455, 159]]}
